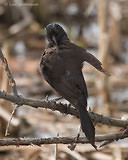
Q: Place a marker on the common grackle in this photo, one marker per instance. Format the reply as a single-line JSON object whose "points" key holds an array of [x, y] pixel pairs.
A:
{"points": [[61, 65]]}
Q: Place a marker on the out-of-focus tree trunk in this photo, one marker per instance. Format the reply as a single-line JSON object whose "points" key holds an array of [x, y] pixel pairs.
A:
{"points": [[104, 47]]}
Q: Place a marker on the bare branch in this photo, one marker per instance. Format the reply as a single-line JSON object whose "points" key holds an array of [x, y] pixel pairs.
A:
{"points": [[13, 85], [7, 128], [58, 140], [63, 108]]}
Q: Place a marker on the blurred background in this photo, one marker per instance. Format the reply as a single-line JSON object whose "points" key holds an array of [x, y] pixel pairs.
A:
{"points": [[100, 26]]}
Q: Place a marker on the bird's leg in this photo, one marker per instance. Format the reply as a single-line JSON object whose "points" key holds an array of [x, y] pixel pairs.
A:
{"points": [[46, 98], [57, 99], [68, 107]]}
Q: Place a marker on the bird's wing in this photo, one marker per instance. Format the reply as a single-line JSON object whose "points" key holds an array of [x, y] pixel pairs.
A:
{"points": [[72, 85], [81, 55], [88, 57], [68, 87]]}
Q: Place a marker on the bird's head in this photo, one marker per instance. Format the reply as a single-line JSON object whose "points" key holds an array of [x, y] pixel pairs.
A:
{"points": [[55, 33]]}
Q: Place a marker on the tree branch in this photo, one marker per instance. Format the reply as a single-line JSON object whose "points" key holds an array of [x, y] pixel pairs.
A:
{"points": [[58, 140], [63, 108], [13, 85]]}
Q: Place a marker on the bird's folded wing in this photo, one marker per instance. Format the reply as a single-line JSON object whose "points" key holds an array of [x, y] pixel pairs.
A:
{"points": [[67, 88]]}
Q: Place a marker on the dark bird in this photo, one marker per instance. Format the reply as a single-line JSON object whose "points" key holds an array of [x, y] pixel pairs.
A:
{"points": [[61, 65]]}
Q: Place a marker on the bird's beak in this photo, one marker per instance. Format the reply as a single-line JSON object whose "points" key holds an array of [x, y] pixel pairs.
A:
{"points": [[54, 40]]}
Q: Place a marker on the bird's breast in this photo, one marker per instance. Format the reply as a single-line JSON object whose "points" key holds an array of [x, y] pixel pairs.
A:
{"points": [[46, 64]]}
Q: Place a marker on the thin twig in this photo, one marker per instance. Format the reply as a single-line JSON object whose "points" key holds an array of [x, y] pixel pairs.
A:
{"points": [[7, 128], [63, 108], [58, 140], [73, 145], [13, 85], [9, 74]]}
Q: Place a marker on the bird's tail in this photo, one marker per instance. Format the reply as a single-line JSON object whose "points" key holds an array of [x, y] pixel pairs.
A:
{"points": [[86, 124]]}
